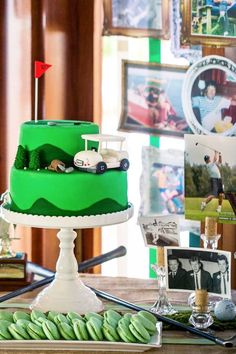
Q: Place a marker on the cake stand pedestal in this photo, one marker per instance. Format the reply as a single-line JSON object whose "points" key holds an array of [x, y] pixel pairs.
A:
{"points": [[67, 292]]}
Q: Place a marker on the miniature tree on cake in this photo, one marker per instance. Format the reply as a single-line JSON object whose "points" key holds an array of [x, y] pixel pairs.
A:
{"points": [[34, 160], [21, 160]]}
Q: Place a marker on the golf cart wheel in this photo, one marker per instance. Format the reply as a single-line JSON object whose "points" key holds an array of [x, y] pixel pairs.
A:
{"points": [[101, 167], [124, 165]]}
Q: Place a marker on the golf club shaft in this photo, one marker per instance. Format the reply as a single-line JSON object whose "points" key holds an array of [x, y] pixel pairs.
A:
{"points": [[208, 147], [118, 252], [217, 340]]}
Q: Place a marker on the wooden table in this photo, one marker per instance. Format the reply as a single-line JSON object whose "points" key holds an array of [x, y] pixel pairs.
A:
{"points": [[140, 291]]}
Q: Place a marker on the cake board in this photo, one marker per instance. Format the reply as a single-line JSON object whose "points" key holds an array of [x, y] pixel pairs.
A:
{"points": [[67, 292]]}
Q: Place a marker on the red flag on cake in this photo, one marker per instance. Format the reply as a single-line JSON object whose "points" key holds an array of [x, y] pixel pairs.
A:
{"points": [[40, 68]]}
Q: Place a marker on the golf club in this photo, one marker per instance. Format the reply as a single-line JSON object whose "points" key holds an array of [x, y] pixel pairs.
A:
{"points": [[229, 342], [208, 147], [117, 252]]}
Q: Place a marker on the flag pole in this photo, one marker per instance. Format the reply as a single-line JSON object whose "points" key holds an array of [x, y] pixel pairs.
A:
{"points": [[36, 95]]}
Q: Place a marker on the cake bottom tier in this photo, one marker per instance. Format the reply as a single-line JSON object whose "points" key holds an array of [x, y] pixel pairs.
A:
{"points": [[59, 194]]}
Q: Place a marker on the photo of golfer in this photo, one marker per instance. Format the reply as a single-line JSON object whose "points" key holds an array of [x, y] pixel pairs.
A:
{"points": [[160, 231], [162, 182], [213, 169], [210, 177]]}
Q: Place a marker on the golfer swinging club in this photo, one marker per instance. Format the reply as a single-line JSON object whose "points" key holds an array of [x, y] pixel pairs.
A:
{"points": [[215, 180]]}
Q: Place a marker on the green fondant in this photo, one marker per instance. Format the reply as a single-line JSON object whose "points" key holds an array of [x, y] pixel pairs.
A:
{"points": [[75, 191], [48, 153], [21, 159], [43, 207], [34, 160], [65, 135], [45, 192]]}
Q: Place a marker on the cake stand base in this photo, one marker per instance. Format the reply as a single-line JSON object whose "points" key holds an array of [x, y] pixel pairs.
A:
{"points": [[67, 292], [65, 296]]}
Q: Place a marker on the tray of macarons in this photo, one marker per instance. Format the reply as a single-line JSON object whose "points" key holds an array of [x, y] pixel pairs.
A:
{"points": [[109, 331]]}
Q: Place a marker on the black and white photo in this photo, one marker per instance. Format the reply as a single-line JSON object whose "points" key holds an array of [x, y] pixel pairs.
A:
{"points": [[190, 269], [160, 231]]}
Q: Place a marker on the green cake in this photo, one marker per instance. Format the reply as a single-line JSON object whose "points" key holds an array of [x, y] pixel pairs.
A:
{"points": [[37, 187]]}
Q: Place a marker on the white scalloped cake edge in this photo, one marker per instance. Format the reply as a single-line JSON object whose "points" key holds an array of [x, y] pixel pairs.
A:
{"points": [[68, 221]]}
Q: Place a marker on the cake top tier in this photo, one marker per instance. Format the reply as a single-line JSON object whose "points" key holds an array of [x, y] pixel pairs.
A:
{"points": [[61, 123], [56, 139]]}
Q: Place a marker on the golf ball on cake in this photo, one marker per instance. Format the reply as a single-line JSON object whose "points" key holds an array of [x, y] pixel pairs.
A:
{"points": [[225, 310]]}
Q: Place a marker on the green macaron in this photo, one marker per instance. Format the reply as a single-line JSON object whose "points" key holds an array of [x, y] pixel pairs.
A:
{"points": [[148, 325], [125, 320], [35, 331], [18, 332], [60, 318], [124, 331], [4, 332], [94, 327], [6, 315], [127, 316], [149, 316], [20, 315], [74, 315], [89, 315], [66, 331], [110, 333], [112, 317], [80, 329], [50, 330], [23, 323], [138, 330], [38, 317], [51, 315]]}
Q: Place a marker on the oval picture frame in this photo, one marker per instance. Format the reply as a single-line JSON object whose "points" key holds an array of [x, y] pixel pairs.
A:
{"points": [[192, 80]]}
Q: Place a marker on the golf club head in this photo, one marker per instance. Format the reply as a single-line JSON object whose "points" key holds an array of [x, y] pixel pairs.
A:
{"points": [[228, 343], [232, 341]]}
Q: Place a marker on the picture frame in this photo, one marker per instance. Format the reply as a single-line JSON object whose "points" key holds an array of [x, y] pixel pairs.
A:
{"points": [[188, 269], [151, 99], [209, 96], [204, 22], [160, 231], [158, 167], [136, 18], [209, 169], [189, 52]]}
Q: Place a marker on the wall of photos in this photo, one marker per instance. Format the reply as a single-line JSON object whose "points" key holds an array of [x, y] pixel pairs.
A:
{"points": [[158, 65]]}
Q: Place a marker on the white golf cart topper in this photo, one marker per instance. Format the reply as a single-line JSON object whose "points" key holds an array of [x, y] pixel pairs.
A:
{"points": [[104, 158]]}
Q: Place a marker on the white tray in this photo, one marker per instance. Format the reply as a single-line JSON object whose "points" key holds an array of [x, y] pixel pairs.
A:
{"points": [[87, 346]]}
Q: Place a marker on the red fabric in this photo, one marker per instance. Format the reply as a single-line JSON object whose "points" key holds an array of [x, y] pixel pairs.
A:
{"points": [[217, 75], [40, 68]]}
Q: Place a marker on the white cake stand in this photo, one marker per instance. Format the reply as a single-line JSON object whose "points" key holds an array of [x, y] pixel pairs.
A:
{"points": [[67, 292]]}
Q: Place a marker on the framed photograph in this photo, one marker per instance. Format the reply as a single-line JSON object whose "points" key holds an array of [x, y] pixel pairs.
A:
{"points": [[209, 22], [160, 231], [209, 96], [151, 99], [190, 52], [189, 269], [137, 18], [162, 182], [210, 178]]}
